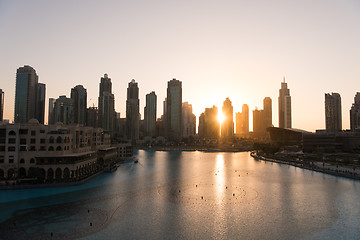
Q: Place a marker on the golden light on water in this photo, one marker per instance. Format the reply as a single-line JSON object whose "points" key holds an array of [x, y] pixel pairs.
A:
{"points": [[220, 178]]}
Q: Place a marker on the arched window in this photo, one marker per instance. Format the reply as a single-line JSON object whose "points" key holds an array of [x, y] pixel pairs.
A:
{"points": [[58, 139], [32, 160], [51, 139], [12, 133], [51, 148], [58, 148]]}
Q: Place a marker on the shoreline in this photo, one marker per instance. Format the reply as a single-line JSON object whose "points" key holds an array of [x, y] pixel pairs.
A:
{"points": [[314, 167]]}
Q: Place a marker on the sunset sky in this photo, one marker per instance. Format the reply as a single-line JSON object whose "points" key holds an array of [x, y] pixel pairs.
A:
{"points": [[218, 49]]}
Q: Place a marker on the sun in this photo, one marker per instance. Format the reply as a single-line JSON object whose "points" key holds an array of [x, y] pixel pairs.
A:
{"points": [[220, 117]]}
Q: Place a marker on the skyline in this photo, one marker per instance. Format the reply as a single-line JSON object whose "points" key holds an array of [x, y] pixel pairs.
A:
{"points": [[237, 47]]}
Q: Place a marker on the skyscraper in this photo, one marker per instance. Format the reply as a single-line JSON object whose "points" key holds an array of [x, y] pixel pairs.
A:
{"points": [[29, 96], [242, 120], [333, 118], [1, 105], [64, 110], [174, 109], [267, 102], [51, 117], [188, 121], [150, 114], [284, 106], [106, 110], [227, 126], [79, 97], [209, 126], [132, 111], [355, 113]]}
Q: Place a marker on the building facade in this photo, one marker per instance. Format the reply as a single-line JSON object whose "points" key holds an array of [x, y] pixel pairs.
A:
{"points": [[333, 119], [132, 111], [1, 105], [355, 113], [63, 110], [79, 96], [227, 126], [174, 109], [150, 114], [29, 96], [284, 106], [209, 126], [44, 153], [106, 104], [242, 120], [188, 121]]}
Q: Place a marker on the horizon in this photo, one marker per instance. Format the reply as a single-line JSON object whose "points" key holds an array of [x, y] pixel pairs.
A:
{"points": [[241, 50]]}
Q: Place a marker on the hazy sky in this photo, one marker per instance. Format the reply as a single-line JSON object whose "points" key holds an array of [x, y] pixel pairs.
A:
{"points": [[218, 49]]}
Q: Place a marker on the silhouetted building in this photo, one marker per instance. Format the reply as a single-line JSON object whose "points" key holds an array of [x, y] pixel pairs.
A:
{"points": [[79, 97], [209, 126], [284, 106], [132, 111], [188, 120], [242, 120], [1, 105], [51, 119], [106, 110], [262, 119], [227, 126], [29, 96], [355, 113], [174, 109], [333, 118], [92, 114], [150, 114], [267, 112], [64, 110]]}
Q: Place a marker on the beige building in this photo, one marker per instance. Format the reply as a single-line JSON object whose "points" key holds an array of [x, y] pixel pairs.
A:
{"points": [[37, 153]]}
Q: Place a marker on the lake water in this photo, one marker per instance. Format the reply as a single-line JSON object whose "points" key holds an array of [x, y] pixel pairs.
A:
{"points": [[188, 195]]}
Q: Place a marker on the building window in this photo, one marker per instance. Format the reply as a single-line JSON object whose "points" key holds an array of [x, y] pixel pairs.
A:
{"points": [[2, 159], [23, 141], [32, 141], [11, 149], [58, 139], [32, 148], [42, 131], [42, 148], [32, 160], [23, 148], [11, 160], [58, 148], [33, 133], [12, 133], [23, 131], [22, 160], [42, 140], [12, 140], [51, 148], [51, 139]]}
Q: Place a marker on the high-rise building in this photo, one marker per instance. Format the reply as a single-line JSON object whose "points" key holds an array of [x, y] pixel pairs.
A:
{"points": [[64, 110], [284, 106], [174, 109], [106, 110], [355, 113], [188, 121], [267, 102], [262, 119], [92, 114], [150, 114], [227, 126], [1, 105], [51, 117], [209, 126], [79, 97], [333, 118], [242, 120], [29, 96], [132, 111]]}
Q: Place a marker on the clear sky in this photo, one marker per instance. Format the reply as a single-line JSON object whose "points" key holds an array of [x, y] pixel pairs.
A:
{"points": [[218, 49]]}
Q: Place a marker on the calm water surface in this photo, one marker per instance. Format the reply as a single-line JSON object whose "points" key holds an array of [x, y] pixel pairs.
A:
{"points": [[188, 195]]}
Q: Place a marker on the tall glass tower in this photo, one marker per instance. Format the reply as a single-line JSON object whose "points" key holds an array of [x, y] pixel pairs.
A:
{"points": [[174, 109], [284, 106]]}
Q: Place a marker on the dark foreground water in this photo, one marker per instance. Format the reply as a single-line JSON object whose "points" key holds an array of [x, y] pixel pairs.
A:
{"points": [[188, 195]]}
